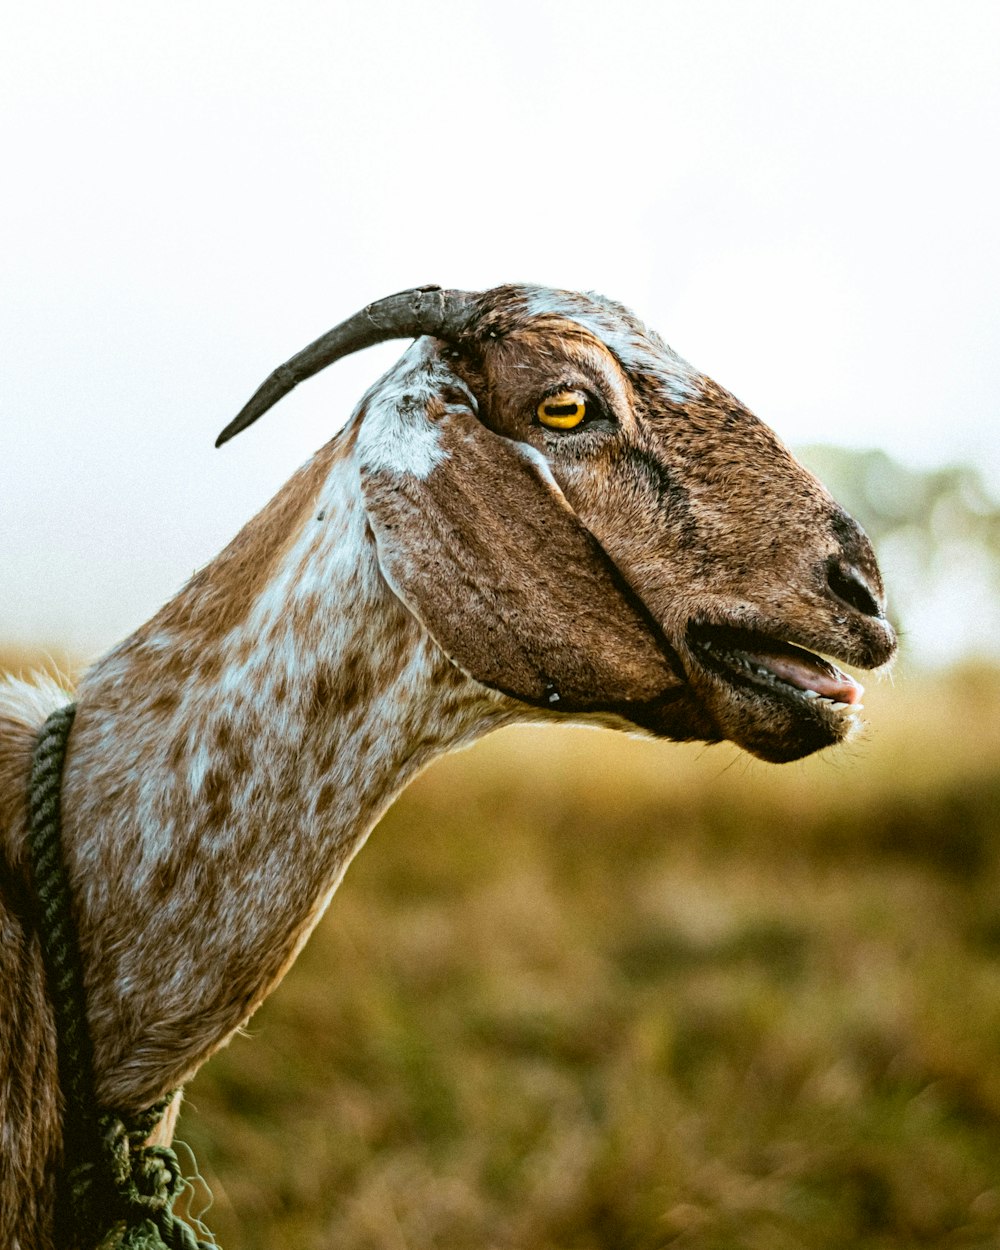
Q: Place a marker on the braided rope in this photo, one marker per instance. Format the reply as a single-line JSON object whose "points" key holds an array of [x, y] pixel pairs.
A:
{"points": [[120, 1192]]}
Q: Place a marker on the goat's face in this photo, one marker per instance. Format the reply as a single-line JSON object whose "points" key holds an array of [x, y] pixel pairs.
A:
{"points": [[642, 549], [739, 554]]}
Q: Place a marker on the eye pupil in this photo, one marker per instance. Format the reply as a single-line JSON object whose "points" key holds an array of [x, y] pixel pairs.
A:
{"points": [[562, 410]]}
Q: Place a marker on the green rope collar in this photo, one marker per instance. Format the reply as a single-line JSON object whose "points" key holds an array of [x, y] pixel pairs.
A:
{"points": [[119, 1192]]}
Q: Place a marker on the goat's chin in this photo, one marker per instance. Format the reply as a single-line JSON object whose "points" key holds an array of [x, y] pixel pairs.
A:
{"points": [[769, 728], [776, 731], [775, 726]]}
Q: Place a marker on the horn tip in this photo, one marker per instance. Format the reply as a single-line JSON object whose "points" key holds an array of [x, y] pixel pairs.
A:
{"points": [[234, 427]]}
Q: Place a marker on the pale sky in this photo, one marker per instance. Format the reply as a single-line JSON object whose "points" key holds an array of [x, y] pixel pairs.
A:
{"points": [[803, 199]]}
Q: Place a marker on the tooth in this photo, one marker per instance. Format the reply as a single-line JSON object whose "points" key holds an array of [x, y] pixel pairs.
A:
{"points": [[810, 694], [839, 707]]}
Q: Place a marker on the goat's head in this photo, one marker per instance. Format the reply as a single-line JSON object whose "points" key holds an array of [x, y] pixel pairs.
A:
{"points": [[584, 522]]}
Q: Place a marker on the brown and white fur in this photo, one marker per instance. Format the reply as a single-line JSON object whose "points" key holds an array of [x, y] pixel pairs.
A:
{"points": [[444, 566]]}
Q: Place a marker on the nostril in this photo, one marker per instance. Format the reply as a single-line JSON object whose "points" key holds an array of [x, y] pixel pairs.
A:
{"points": [[848, 585]]}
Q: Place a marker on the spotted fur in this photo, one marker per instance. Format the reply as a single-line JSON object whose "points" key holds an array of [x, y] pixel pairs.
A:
{"points": [[442, 567]]}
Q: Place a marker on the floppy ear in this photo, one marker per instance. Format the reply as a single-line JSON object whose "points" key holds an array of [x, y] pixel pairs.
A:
{"points": [[478, 541]]}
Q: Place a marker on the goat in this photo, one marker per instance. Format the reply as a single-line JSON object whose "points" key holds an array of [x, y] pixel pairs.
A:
{"points": [[540, 513]]}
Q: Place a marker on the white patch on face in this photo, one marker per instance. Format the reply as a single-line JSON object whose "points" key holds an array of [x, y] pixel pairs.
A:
{"points": [[678, 380], [540, 463], [397, 439], [396, 436]]}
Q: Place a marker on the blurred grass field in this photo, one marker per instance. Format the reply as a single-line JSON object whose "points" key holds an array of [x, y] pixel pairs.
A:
{"points": [[584, 992]]}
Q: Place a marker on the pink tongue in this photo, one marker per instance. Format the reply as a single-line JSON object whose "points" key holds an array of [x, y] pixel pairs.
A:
{"points": [[836, 685]]}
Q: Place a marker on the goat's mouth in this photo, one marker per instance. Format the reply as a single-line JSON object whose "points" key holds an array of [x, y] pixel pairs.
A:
{"points": [[773, 697], [746, 658]]}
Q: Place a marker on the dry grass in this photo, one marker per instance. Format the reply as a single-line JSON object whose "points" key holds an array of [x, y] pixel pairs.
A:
{"points": [[590, 993]]}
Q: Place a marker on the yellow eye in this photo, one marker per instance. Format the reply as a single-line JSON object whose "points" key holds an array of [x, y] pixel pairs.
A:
{"points": [[562, 411]]}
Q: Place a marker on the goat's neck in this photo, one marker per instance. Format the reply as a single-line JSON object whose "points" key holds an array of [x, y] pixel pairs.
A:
{"points": [[226, 763]]}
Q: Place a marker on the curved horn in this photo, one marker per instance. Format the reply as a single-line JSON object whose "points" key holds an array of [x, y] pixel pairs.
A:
{"points": [[408, 314]]}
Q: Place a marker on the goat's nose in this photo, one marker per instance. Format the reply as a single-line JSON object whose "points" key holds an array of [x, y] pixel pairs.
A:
{"points": [[851, 588]]}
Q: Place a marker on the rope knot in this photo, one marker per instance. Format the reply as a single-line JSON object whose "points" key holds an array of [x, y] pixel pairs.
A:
{"points": [[158, 1179], [146, 1178], [124, 1197]]}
